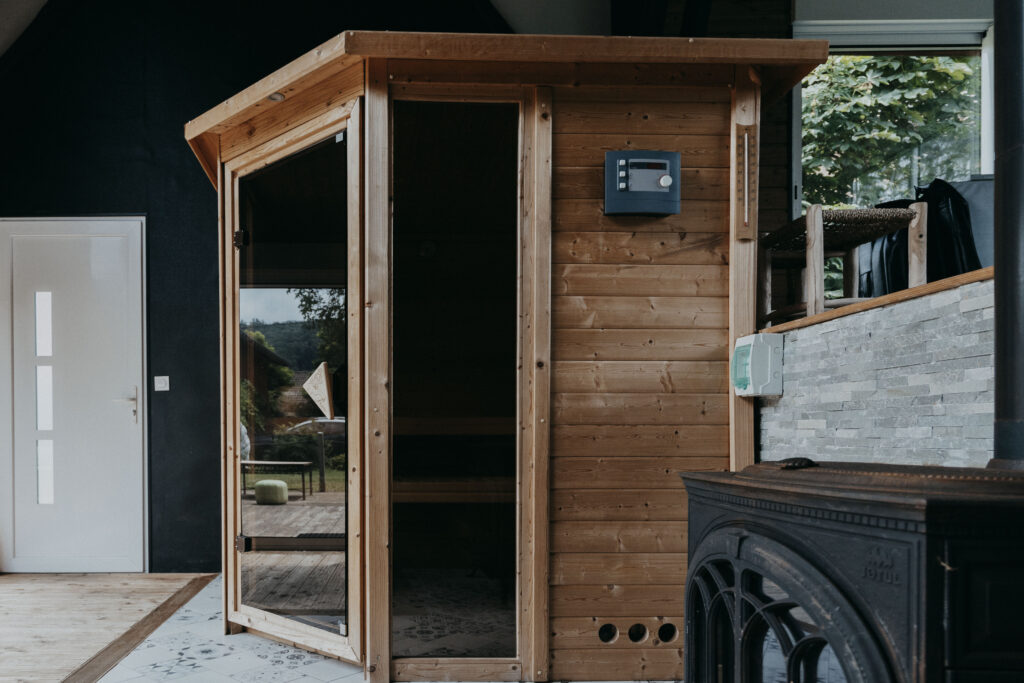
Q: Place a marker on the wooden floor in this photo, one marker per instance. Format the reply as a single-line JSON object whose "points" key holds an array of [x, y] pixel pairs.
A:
{"points": [[53, 624], [295, 583], [322, 513]]}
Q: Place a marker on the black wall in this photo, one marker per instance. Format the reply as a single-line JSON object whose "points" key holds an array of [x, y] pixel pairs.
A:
{"points": [[94, 97]]}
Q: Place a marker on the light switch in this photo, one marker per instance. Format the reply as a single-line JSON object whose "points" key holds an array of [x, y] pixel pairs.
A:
{"points": [[161, 383]]}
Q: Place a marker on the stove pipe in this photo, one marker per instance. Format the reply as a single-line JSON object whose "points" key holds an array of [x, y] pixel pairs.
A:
{"points": [[1009, 235]]}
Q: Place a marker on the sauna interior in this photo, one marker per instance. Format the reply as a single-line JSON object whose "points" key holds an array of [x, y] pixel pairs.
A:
{"points": [[482, 483]]}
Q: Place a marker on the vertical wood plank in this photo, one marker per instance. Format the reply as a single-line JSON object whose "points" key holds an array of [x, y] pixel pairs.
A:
{"points": [[227, 502], [742, 266], [232, 427], [540, 367], [814, 272], [527, 381], [917, 246], [356, 456], [377, 341]]}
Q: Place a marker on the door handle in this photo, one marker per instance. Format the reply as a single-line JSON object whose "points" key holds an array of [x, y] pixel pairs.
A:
{"points": [[134, 400]]}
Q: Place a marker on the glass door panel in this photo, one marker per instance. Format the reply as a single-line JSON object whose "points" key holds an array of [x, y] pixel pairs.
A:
{"points": [[454, 540], [293, 486]]}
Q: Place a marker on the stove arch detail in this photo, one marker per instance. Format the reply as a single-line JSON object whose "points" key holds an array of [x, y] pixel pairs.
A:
{"points": [[757, 610]]}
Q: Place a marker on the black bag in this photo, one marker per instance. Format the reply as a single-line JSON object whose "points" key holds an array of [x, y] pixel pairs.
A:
{"points": [[951, 250]]}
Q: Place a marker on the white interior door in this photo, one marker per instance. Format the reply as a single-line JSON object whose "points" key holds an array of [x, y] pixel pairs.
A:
{"points": [[74, 500]]}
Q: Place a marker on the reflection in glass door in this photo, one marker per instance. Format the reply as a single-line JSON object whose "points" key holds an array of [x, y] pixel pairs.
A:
{"points": [[293, 389]]}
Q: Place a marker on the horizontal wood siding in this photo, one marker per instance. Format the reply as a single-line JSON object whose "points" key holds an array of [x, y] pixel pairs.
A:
{"points": [[639, 375]]}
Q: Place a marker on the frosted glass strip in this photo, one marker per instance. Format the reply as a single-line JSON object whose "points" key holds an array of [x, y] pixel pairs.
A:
{"points": [[44, 471], [44, 324], [44, 397]]}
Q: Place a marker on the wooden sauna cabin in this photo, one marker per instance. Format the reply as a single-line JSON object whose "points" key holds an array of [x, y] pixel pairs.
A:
{"points": [[515, 373]]}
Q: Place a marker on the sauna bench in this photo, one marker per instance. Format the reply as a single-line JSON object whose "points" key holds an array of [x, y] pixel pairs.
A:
{"points": [[454, 490]]}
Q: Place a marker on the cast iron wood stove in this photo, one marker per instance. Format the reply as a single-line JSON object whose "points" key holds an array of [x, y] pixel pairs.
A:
{"points": [[855, 573]]}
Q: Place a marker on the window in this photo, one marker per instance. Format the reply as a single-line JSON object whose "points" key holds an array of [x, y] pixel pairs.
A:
{"points": [[876, 126]]}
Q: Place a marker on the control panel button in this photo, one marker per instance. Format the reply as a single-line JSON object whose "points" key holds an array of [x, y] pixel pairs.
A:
{"points": [[665, 181]]}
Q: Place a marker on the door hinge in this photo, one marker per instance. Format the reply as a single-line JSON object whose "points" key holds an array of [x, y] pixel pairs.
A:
{"points": [[241, 239], [243, 543]]}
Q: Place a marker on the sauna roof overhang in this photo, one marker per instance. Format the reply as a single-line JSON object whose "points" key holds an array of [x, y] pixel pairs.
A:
{"points": [[781, 64]]}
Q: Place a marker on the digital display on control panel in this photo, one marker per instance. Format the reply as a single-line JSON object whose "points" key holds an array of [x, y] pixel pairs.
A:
{"points": [[648, 176], [642, 182]]}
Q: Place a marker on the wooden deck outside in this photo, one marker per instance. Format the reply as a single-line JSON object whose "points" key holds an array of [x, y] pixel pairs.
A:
{"points": [[295, 582], [76, 626], [320, 513]]}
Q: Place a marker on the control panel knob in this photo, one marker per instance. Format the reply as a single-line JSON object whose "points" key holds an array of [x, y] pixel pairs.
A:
{"points": [[665, 181]]}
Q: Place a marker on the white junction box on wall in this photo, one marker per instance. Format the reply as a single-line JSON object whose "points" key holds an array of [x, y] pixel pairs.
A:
{"points": [[757, 365]]}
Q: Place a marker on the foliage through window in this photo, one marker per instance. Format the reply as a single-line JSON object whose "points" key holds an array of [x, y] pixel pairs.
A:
{"points": [[874, 127]]}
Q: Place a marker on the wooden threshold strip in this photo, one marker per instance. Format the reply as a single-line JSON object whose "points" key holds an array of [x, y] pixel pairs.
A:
{"points": [[107, 658], [887, 299], [456, 669]]}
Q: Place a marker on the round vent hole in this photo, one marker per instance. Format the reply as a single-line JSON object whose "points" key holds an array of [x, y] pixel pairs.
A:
{"points": [[667, 633], [637, 632], [607, 633]]}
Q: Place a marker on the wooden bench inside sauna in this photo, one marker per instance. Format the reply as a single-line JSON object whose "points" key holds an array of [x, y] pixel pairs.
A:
{"points": [[524, 260]]}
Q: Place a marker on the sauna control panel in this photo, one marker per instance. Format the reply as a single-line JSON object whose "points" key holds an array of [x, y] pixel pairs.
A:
{"points": [[641, 182]]}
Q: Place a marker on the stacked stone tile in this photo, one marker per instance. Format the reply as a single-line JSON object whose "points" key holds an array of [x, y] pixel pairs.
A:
{"points": [[909, 383]]}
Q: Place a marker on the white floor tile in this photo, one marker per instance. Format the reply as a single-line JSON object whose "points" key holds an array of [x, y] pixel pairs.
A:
{"points": [[145, 654], [120, 674], [172, 669], [234, 663], [356, 677], [191, 647], [330, 670], [267, 674], [206, 676]]}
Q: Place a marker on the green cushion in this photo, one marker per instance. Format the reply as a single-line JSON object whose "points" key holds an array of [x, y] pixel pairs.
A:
{"points": [[271, 492]]}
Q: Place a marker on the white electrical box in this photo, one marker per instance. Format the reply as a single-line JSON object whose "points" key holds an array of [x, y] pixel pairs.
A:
{"points": [[756, 368]]}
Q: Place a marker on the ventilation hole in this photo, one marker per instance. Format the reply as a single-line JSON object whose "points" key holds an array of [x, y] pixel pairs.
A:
{"points": [[607, 633], [637, 632], [667, 633]]}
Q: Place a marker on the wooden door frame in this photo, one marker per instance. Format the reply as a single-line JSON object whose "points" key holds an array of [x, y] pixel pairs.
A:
{"points": [[745, 120], [533, 381], [237, 616]]}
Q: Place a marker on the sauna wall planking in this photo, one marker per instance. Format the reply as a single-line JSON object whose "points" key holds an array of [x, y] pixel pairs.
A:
{"points": [[639, 376]]}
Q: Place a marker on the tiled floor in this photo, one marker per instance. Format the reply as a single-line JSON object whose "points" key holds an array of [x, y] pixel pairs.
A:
{"points": [[190, 646]]}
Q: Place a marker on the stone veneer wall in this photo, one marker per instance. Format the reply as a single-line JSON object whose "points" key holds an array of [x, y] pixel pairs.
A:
{"points": [[908, 383]]}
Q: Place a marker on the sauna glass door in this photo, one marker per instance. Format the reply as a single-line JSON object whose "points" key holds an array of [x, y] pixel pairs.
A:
{"points": [[454, 354], [295, 501]]}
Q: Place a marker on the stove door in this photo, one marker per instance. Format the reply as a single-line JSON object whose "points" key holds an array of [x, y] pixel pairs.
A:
{"points": [[756, 611]]}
